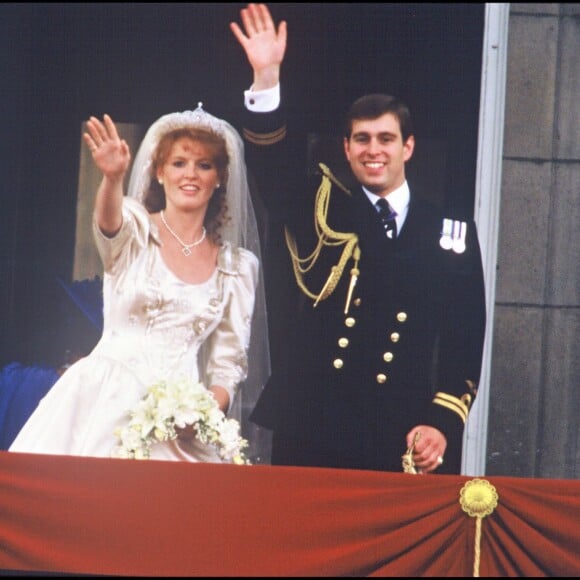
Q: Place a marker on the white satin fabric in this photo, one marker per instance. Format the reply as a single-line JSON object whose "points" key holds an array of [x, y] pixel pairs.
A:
{"points": [[156, 327]]}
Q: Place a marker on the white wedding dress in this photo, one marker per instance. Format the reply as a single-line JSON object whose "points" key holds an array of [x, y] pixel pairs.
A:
{"points": [[156, 326]]}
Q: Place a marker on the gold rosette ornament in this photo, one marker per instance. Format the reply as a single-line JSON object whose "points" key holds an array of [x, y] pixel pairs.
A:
{"points": [[478, 498]]}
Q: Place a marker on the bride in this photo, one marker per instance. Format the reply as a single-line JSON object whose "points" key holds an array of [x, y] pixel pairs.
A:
{"points": [[182, 290]]}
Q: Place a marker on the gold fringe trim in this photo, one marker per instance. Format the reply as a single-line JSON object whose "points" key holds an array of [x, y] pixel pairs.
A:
{"points": [[478, 498], [453, 404], [327, 237], [265, 138]]}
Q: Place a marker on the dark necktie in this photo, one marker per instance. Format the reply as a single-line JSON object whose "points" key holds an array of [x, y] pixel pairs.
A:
{"points": [[388, 216]]}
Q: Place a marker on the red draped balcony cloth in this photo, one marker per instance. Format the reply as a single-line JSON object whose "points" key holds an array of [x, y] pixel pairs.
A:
{"points": [[150, 518]]}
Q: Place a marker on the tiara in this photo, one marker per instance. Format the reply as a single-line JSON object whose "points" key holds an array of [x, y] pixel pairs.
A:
{"points": [[197, 118]]}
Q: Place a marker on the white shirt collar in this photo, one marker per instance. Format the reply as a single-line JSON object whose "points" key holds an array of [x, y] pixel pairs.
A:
{"points": [[398, 200]]}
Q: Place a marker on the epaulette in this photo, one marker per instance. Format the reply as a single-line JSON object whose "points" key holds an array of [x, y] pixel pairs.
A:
{"points": [[453, 234]]}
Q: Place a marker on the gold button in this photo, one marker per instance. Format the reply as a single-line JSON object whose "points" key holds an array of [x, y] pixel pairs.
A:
{"points": [[402, 316], [343, 342], [381, 378], [357, 301], [338, 363], [350, 322], [395, 337], [388, 357]]}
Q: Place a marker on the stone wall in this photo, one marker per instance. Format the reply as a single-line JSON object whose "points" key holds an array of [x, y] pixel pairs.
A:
{"points": [[534, 409]]}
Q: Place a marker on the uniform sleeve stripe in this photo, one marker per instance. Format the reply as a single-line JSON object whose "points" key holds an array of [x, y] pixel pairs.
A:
{"points": [[265, 138], [453, 404]]}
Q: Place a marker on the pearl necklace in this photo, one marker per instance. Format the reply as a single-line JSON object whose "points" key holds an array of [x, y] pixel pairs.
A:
{"points": [[186, 248]]}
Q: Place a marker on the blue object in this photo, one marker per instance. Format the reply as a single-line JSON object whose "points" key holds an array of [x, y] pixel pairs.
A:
{"points": [[88, 296], [21, 388]]}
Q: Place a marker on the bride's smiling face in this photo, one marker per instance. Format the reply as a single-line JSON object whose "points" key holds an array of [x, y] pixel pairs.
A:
{"points": [[189, 175]]}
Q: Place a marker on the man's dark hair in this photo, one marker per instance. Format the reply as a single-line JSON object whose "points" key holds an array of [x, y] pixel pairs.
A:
{"points": [[376, 105]]}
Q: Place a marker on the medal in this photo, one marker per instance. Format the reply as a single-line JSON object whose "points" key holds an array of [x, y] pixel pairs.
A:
{"points": [[453, 235]]}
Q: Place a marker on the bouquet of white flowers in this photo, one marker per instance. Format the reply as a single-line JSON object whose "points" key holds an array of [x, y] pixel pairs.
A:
{"points": [[177, 404]]}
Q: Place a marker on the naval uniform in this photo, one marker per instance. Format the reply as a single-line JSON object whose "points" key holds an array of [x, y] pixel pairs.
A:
{"points": [[408, 349]]}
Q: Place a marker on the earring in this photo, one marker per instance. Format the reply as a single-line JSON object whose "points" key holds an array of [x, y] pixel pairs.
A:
{"points": [[218, 185], [160, 181]]}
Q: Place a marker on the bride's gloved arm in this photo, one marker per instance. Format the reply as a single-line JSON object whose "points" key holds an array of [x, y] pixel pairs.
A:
{"points": [[227, 363]]}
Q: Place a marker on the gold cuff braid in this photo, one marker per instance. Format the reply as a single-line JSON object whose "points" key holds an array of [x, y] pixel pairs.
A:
{"points": [[265, 138], [453, 404]]}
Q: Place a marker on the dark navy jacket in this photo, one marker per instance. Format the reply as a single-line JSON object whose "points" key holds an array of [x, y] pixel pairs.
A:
{"points": [[409, 349]]}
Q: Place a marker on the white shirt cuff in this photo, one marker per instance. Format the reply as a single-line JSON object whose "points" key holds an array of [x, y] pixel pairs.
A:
{"points": [[262, 101]]}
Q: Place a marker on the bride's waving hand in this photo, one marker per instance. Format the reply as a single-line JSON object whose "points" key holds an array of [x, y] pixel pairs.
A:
{"points": [[112, 156]]}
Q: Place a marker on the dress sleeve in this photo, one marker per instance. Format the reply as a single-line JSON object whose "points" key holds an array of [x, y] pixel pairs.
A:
{"points": [[116, 252], [227, 346]]}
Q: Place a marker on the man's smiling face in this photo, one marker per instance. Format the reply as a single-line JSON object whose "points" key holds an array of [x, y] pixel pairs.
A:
{"points": [[376, 153]]}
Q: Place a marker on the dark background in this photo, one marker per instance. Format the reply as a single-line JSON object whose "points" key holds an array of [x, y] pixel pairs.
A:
{"points": [[61, 63]]}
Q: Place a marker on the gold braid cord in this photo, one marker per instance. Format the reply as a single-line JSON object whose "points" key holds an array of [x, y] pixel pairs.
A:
{"points": [[327, 237], [407, 458], [478, 498]]}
